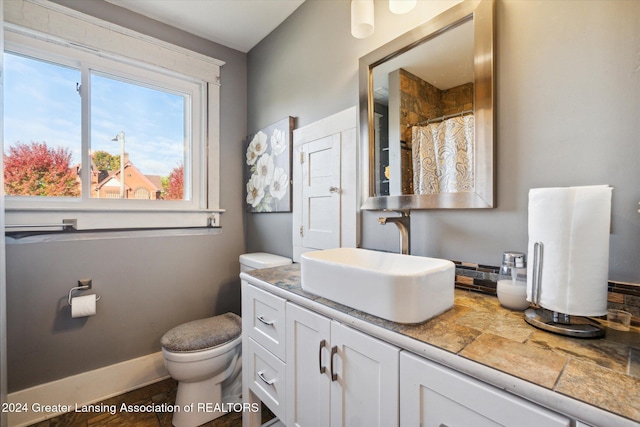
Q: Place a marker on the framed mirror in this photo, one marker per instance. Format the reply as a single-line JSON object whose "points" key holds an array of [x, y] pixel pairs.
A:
{"points": [[427, 114]]}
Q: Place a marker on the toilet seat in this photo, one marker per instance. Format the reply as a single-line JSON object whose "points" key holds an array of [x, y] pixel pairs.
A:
{"points": [[203, 334], [199, 355]]}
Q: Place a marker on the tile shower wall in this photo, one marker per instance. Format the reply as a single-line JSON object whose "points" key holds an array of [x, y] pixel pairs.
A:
{"points": [[420, 100], [483, 278]]}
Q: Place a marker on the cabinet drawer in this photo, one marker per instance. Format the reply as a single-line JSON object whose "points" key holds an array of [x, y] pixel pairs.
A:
{"points": [[267, 378], [264, 319], [432, 395]]}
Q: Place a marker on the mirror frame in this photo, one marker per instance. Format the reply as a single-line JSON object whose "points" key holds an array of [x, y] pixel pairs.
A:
{"points": [[482, 13]]}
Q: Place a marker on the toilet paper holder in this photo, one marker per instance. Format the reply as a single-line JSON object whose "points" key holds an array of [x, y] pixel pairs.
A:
{"points": [[83, 285]]}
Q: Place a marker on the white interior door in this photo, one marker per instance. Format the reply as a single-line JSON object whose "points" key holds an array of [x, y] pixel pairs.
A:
{"points": [[325, 156], [321, 193]]}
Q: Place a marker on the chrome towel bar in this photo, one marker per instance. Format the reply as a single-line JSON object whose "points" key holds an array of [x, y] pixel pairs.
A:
{"points": [[66, 223]]}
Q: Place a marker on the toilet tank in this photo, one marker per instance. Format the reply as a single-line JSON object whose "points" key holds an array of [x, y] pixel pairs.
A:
{"points": [[258, 260]]}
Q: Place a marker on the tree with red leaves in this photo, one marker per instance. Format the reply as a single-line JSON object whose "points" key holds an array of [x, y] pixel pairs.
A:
{"points": [[174, 188], [38, 170]]}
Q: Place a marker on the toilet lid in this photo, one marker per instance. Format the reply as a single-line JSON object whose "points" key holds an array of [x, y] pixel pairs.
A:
{"points": [[203, 334]]}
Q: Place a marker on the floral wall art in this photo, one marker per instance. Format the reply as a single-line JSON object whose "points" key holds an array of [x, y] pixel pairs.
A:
{"points": [[268, 168]]}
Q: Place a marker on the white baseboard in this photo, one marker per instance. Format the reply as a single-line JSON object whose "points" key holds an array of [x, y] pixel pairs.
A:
{"points": [[84, 389]]}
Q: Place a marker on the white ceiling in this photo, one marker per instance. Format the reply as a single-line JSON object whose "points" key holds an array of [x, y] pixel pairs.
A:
{"points": [[238, 24]]}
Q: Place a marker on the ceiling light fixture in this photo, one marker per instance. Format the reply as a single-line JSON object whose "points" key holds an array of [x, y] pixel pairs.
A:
{"points": [[362, 12], [401, 6], [361, 18]]}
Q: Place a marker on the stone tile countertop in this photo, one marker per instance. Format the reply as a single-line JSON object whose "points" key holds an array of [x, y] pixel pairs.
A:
{"points": [[604, 373]]}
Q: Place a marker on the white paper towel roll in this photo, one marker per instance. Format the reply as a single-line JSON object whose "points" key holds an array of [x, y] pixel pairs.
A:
{"points": [[83, 306], [573, 224]]}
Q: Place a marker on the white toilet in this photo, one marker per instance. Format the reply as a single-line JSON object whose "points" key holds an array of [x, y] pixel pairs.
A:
{"points": [[258, 260], [204, 356]]}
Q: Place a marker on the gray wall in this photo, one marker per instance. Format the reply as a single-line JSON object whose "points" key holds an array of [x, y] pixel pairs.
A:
{"points": [[567, 89], [147, 284], [567, 86]]}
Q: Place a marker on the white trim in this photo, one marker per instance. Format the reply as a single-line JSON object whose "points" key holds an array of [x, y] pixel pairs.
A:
{"points": [[79, 27], [212, 132], [88, 387]]}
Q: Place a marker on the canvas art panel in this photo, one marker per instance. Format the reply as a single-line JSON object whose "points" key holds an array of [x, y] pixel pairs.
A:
{"points": [[268, 168]]}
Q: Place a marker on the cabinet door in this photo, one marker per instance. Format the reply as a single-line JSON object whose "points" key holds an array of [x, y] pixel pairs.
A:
{"points": [[365, 392], [308, 376], [434, 396]]}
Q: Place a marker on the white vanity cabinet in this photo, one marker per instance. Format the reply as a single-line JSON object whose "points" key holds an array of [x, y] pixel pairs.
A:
{"points": [[337, 376], [313, 371], [303, 361], [432, 395]]}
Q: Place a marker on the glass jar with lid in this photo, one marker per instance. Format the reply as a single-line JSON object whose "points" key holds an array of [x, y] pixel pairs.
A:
{"points": [[512, 281]]}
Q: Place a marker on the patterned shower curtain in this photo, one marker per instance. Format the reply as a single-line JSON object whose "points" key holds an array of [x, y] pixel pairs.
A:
{"points": [[443, 156]]}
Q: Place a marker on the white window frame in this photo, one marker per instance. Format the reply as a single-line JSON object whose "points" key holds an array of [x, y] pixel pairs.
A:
{"points": [[130, 55]]}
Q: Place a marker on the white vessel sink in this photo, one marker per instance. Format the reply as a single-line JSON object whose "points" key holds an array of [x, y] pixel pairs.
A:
{"points": [[400, 288]]}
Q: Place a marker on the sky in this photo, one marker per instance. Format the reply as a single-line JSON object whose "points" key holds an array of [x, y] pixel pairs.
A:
{"points": [[41, 104]]}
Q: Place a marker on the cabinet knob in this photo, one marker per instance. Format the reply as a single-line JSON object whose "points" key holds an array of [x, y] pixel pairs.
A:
{"points": [[334, 189]]}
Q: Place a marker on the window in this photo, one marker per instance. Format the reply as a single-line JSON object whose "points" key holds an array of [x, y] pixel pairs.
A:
{"points": [[41, 128], [151, 141], [111, 141], [139, 130]]}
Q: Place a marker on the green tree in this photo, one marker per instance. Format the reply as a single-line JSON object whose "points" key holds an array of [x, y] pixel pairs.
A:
{"points": [[38, 170], [105, 161]]}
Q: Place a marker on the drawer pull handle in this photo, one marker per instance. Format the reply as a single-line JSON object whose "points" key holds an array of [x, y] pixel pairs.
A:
{"points": [[266, 322], [443, 425], [334, 351], [323, 369], [266, 381]]}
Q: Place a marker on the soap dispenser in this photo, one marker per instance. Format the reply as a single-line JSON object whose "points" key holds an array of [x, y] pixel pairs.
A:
{"points": [[512, 281]]}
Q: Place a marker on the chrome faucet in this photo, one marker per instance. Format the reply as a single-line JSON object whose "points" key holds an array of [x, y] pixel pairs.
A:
{"points": [[403, 222]]}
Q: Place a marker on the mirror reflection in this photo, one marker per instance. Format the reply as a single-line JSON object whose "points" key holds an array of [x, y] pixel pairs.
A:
{"points": [[426, 109], [423, 113]]}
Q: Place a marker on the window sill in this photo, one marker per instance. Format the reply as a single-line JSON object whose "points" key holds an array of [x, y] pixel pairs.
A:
{"points": [[111, 219], [48, 237]]}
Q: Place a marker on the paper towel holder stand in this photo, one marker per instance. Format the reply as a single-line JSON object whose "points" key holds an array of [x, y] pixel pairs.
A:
{"points": [[553, 321], [563, 324], [83, 285]]}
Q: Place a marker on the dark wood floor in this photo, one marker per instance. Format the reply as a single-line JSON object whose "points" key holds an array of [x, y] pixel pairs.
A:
{"points": [[157, 394]]}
